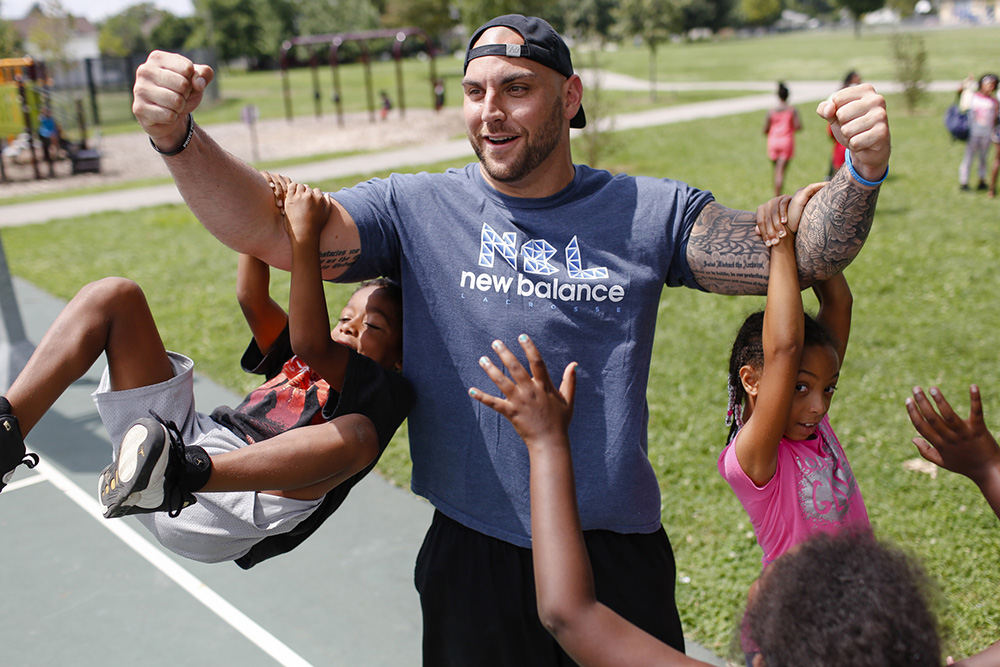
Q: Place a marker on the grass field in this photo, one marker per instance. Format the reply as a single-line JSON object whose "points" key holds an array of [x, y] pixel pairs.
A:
{"points": [[924, 294]]}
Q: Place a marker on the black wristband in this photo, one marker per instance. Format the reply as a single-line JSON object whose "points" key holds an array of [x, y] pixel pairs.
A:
{"points": [[184, 144]]}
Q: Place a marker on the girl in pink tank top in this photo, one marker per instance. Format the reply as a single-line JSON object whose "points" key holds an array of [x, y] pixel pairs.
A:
{"points": [[780, 126]]}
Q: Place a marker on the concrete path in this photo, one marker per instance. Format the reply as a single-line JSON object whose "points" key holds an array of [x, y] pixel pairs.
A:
{"points": [[400, 159]]}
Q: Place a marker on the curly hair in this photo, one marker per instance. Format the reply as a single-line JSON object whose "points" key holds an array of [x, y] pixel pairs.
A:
{"points": [[845, 599], [748, 350]]}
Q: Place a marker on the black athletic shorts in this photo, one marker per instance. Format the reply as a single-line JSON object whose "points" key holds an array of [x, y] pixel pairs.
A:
{"points": [[477, 594]]}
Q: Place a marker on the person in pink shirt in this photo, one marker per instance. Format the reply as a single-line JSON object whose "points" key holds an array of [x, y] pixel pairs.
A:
{"points": [[783, 460], [780, 126]]}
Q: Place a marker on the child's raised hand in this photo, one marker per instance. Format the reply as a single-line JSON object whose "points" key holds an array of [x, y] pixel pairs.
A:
{"points": [[307, 210], [771, 219], [963, 446], [279, 186], [782, 214], [531, 402]]}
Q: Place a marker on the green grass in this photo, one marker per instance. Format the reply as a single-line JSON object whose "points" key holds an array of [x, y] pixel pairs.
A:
{"points": [[815, 54], [924, 291]]}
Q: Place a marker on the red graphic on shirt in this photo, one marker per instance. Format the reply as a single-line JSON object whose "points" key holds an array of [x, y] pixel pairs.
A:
{"points": [[283, 401]]}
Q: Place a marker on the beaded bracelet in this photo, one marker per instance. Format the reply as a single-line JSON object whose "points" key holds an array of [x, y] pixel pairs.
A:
{"points": [[187, 140], [857, 176]]}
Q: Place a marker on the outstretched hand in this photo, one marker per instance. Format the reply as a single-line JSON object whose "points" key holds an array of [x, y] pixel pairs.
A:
{"points": [[781, 214], [963, 446], [167, 88], [859, 121], [530, 401]]}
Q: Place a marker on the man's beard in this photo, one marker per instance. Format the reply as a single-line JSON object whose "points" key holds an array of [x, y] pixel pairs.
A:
{"points": [[539, 146]]}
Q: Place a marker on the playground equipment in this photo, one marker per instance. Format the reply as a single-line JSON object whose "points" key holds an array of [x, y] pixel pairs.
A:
{"points": [[363, 39], [27, 109]]}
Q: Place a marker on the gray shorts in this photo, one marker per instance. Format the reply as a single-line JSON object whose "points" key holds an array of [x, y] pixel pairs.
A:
{"points": [[220, 526]]}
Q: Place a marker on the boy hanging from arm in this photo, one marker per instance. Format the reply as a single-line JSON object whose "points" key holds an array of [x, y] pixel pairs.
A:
{"points": [[316, 425]]}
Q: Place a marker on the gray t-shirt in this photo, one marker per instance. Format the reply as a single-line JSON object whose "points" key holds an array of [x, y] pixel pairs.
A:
{"points": [[580, 272]]}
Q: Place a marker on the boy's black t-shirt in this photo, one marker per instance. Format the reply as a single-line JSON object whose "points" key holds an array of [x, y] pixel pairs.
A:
{"points": [[294, 396]]}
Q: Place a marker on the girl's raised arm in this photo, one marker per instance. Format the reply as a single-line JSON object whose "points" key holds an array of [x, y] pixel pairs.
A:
{"points": [[590, 632], [772, 389]]}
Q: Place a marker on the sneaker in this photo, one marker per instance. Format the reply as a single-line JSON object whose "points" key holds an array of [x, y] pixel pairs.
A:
{"points": [[154, 471], [964, 187], [12, 450], [982, 185]]}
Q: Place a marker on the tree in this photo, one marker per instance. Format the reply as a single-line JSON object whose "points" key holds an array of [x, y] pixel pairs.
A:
{"points": [[172, 32], [474, 13], [127, 32], [228, 26], [713, 14], [653, 21], [322, 17], [910, 58], [859, 8], [276, 19], [10, 40], [760, 12], [592, 19], [435, 17], [51, 31]]}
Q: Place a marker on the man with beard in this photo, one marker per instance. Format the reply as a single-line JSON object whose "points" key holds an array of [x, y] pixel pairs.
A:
{"points": [[524, 241]]}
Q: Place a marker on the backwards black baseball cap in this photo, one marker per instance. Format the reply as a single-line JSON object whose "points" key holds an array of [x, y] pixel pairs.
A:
{"points": [[541, 44]]}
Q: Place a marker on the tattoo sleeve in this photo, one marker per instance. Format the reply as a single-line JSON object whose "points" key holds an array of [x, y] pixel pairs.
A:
{"points": [[727, 256]]}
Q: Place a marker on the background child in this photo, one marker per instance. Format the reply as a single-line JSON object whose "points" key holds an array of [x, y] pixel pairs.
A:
{"points": [[780, 126], [984, 110], [793, 614], [316, 425]]}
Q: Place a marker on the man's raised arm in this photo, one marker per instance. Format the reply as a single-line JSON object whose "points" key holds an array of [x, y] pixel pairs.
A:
{"points": [[229, 197], [727, 255]]}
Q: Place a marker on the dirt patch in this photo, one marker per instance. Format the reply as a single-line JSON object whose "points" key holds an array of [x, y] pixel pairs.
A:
{"points": [[127, 157]]}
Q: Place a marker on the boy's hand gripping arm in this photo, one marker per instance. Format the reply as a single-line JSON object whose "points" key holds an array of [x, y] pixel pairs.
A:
{"points": [[307, 211], [587, 630], [961, 445]]}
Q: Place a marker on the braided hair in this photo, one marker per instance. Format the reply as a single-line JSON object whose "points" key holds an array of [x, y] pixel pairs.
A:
{"points": [[748, 350]]}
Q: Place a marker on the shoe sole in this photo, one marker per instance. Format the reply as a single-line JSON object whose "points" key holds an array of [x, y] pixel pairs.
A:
{"points": [[142, 456]]}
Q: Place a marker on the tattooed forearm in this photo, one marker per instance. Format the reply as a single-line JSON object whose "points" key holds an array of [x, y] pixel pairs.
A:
{"points": [[337, 260], [834, 226], [726, 254]]}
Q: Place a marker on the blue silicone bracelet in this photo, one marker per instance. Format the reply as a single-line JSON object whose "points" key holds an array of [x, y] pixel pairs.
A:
{"points": [[857, 176]]}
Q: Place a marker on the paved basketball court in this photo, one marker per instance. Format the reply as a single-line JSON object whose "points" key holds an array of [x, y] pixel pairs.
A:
{"points": [[78, 589]]}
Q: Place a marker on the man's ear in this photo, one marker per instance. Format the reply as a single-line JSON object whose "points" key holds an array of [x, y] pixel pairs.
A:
{"points": [[749, 377], [572, 96]]}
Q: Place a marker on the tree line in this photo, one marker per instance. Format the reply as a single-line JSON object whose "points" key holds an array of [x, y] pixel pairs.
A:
{"points": [[253, 30]]}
